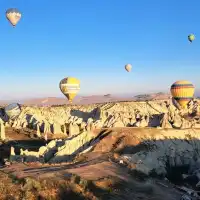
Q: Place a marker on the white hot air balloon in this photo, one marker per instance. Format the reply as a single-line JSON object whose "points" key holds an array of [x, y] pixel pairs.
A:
{"points": [[13, 110], [128, 67], [13, 15]]}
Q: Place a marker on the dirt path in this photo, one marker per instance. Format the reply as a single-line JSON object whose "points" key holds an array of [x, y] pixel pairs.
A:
{"points": [[106, 175]]}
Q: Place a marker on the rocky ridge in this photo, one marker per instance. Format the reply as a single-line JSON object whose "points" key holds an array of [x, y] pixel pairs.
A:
{"points": [[162, 137]]}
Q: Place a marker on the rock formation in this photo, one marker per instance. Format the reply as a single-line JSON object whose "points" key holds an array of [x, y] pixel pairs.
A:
{"points": [[2, 130], [72, 120]]}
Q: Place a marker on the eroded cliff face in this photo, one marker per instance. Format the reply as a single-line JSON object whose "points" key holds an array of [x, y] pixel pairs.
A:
{"points": [[71, 120]]}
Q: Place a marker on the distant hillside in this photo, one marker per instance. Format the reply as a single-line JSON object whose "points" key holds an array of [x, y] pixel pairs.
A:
{"points": [[84, 100], [153, 96], [45, 101], [81, 100]]}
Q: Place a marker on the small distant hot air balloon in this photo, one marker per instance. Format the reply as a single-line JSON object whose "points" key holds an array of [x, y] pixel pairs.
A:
{"points": [[13, 110], [191, 37], [70, 87], [13, 15], [182, 92], [128, 67]]}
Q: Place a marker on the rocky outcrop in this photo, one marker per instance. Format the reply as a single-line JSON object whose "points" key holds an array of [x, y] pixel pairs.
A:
{"points": [[72, 148], [57, 151], [71, 120], [164, 149], [2, 130]]}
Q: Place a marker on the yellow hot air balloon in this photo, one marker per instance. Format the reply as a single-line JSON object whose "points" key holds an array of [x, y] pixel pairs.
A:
{"points": [[128, 67], [13, 15], [191, 37], [182, 92], [70, 87]]}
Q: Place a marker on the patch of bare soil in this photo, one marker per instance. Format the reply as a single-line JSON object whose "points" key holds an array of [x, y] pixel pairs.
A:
{"points": [[12, 188], [120, 138], [27, 134], [97, 177]]}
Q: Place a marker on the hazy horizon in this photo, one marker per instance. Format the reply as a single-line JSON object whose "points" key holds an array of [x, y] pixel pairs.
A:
{"points": [[92, 41], [121, 95], [80, 95]]}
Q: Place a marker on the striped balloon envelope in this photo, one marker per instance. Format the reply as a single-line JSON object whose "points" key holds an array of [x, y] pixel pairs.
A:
{"points": [[182, 92], [70, 86], [13, 15]]}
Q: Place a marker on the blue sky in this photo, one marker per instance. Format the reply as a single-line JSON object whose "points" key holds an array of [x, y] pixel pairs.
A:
{"points": [[93, 40]]}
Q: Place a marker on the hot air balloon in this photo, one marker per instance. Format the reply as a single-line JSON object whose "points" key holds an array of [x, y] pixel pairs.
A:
{"points": [[128, 67], [191, 37], [13, 110], [69, 87], [13, 15], [182, 92]]}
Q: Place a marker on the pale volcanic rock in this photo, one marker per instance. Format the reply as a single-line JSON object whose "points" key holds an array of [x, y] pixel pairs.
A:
{"points": [[2, 130], [79, 121], [175, 150], [71, 147], [98, 124], [38, 131], [73, 129], [118, 123], [61, 120], [83, 126]]}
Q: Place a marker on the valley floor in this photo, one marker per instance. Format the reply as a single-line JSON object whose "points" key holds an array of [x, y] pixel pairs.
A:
{"points": [[94, 175]]}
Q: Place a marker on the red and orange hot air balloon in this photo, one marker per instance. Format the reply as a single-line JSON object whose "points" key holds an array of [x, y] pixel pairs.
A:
{"points": [[182, 92]]}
